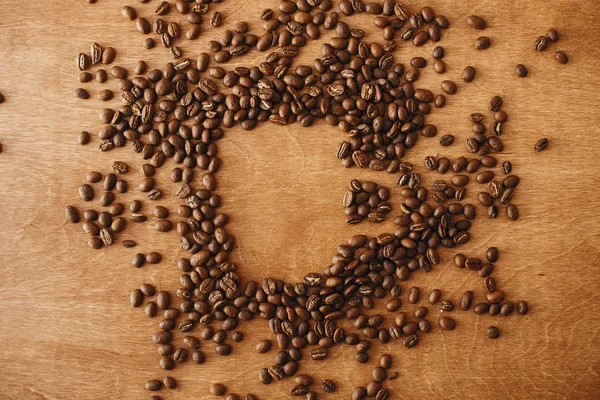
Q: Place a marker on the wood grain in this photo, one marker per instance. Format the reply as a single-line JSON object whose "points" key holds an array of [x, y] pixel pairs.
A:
{"points": [[68, 331]]}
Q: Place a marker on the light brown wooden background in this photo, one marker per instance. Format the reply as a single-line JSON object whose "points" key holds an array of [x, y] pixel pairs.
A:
{"points": [[66, 327]]}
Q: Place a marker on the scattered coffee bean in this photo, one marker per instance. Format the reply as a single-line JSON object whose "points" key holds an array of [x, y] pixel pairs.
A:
{"points": [[541, 144], [476, 22], [521, 71], [328, 386], [493, 332], [482, 43], [552, 35], [561, 57], [82, 94]]}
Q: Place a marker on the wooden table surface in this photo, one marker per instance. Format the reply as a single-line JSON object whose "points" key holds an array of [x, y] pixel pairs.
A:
{"points": [[68, 331]]}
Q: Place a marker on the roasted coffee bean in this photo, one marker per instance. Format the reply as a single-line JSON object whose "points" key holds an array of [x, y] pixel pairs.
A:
{"points": [[512, 212], [153, 385], [218, 389], [438, 52], [541, 43], [541, 144], [446, 323], [411, 341], [447, 140], [522, 307], [263, 346], [552, 35], [86, 192], [72, 214], [492, 254], [328, 386], [82, 94], [447, 306], [507, 308], [449, 87], [136, 298], [434, 296], [495, 103], [521, 71], [414, 295], [476, 22], [466, 300], [482, 43], [493, 332], [139, 260], [85, 77], [468, 74]]}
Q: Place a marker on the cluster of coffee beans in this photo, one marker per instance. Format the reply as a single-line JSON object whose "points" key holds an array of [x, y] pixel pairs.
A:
{"points": [[102, 226], [477, 22], [366, 200], [303, 387], [375, 389], [178, 115], [169, 32], [542, 43], [97, 55]]}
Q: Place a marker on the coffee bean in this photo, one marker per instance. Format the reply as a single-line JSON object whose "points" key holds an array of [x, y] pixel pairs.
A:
{"points": [[414, 295], [512, 212], [82, 94], [440, 101], [447, 140], [216, 19], [328, 386], [108, 55], [460, 260], [218, 389], [507, 167], [72, 214], [449, 87], [85, 77], [129, 13], [460, 180], [101, 77], [263, 346], [153, 258], [86, 192], [507, 308], [466, 300], [492, 254], [438, 52], [468, 74], [482, 43], [153, 385], [447, 323], [541, 43], [411, 341], [447, 306], [541, 144], [552, 35], [495, 103], [150, 309], [521, 70], [149, 43], [522, 307], [418, 62], [169, 382], [136, 298], [493, 332], [434, 296], [476, 22]]}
